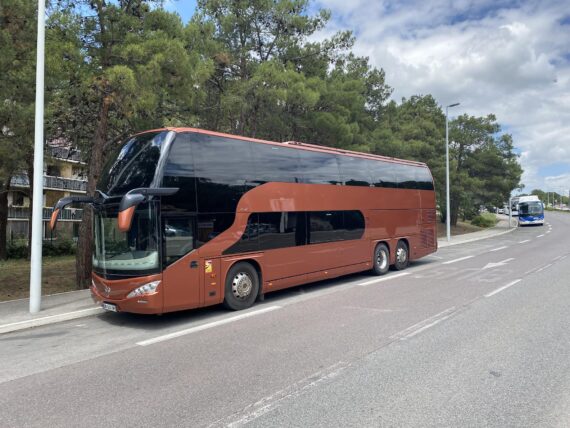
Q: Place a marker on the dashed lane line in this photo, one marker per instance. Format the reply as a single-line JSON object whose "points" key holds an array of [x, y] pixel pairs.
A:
{"points": [[504, 287], [374, 281], [207, 326], [457, 260], [498, 249]]}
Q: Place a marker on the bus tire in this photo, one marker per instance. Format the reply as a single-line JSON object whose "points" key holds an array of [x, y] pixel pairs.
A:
{"points": [[242, 286], [381, 261], [402, 256]]}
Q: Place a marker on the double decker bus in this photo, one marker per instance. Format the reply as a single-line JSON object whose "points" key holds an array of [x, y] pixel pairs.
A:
{"points": [[186, 218]]}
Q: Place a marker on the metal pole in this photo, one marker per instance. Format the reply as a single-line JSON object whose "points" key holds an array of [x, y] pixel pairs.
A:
{"points": [[448, 208], [447, 214], [510, 211], [36, 249]]}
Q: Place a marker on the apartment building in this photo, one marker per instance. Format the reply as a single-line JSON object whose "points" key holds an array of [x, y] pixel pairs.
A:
{"points": [[64, 175]]}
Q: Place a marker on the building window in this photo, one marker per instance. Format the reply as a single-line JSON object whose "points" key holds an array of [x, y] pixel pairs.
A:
{"points": [[17, 199]]}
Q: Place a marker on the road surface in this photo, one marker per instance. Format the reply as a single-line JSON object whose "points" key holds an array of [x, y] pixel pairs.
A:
{"points": [[477, 334]]}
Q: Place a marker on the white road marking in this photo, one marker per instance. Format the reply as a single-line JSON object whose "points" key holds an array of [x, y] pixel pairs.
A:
{"points": [[457, 260], [271, 402], [423, 325], [374, 281], [563, 257], [207, 326], [556, 258], [498, 290], [530, 271], [548, 231], [540, 236], [526, 240], [544, 267], [500, 248], [501, 263]]}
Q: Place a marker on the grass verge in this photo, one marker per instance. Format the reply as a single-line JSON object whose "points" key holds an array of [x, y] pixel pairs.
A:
{"points": [[58, 276]]}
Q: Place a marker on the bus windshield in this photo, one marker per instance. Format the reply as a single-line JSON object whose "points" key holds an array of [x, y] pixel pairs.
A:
{"points": [[133, 164], [530, 208], [126, 253]]}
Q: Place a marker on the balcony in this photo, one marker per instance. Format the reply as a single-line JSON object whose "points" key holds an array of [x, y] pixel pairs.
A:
{"points": [[23, 213], [50, 182], [64, 153]]}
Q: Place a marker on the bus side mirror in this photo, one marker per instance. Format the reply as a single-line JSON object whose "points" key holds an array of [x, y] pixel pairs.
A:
{"points": [[134, 197], [62, 203]]}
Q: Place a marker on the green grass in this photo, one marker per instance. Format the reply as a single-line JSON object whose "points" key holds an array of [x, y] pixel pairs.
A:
{"points": [[58, 276]]}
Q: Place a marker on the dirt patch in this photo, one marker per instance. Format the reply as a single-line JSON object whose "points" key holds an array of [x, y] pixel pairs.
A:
{"points": [[58, 276]]}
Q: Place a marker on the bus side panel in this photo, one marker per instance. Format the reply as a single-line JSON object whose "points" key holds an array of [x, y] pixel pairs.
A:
{"points": [[392, 225], [182, 282]]}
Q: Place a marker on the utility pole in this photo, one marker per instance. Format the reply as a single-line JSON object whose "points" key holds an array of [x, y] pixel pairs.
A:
{"points": [[448, 205], [38, 195]]}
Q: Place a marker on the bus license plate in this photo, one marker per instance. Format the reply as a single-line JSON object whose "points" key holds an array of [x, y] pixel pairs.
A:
{"points": [[109, 307]]}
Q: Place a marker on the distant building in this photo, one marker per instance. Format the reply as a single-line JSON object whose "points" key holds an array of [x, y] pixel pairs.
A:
{"points": [[64, 175]]}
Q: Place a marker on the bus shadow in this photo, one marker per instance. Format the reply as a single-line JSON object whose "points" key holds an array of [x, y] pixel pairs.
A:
{"points": [[195, 317]]}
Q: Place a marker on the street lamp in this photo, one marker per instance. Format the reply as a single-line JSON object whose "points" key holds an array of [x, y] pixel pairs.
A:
{"points": [[447, 211]]}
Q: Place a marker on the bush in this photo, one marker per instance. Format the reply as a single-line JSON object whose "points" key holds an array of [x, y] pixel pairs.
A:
{"points": [[17, 250], [484, 220], [63, 247]]}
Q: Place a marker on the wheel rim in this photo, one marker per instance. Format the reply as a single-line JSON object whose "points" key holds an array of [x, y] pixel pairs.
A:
{"points": [[402, 255], [242, 286], [382, 259]]}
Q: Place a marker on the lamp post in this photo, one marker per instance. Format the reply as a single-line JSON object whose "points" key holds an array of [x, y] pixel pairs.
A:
{"points": [[38, 202], [447, 210]]}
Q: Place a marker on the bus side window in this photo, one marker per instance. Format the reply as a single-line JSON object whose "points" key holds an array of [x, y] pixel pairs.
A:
{"points": [[355, 171], [178, 233], [326, 226], [320, 168], [383, 174]]}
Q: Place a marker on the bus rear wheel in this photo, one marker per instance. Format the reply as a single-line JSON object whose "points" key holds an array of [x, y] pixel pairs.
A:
{"points": [[242, 286], [381, 262], [402, 256]]}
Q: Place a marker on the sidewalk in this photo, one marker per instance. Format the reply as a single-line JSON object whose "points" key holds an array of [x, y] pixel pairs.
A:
{"points": [[500, 228], [15, 315]]}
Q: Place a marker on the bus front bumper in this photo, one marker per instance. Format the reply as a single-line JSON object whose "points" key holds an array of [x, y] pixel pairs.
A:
{"points": [[525, 222], [101, 293]]}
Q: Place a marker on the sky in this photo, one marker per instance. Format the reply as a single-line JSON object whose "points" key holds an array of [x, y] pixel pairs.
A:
{"points": [[509, 58]]}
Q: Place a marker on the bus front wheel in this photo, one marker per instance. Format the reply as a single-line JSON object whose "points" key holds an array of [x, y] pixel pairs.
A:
{"points": [[381, 262], [242, 286], [402, 256]]}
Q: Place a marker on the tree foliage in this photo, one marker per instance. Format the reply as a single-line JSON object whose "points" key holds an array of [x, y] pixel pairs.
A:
{"points": [[252, 68]]}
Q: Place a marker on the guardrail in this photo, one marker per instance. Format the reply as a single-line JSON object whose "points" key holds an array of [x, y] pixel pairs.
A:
{"points": [[71, 214]]}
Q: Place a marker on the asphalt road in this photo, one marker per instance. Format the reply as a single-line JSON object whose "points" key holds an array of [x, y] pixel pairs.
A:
{"points": [[476, 335]]}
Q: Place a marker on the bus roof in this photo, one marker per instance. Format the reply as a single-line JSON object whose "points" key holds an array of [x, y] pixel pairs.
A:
{"points": [[294, 144]]}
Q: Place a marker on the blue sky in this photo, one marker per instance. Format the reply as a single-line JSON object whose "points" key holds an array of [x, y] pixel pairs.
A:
{"points": [[510, 58]]}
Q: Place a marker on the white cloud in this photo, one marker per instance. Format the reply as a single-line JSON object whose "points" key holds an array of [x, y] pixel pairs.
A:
{"points": [[510, 59]]}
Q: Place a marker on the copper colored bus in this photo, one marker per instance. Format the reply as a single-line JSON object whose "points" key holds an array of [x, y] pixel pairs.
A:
{"points": [[185, 218]]}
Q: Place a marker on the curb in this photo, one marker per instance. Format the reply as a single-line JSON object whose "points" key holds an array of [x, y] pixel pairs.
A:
{"points": [[51, 319], [475, 239]]}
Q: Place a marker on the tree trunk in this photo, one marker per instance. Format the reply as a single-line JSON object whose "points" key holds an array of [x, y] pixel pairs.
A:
{"points": [[83, 262], [30, 171], [4, 220], [454, 210]]}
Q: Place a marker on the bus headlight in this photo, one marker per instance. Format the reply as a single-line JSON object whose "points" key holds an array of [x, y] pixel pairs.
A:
{"points": [[144, 290]]}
